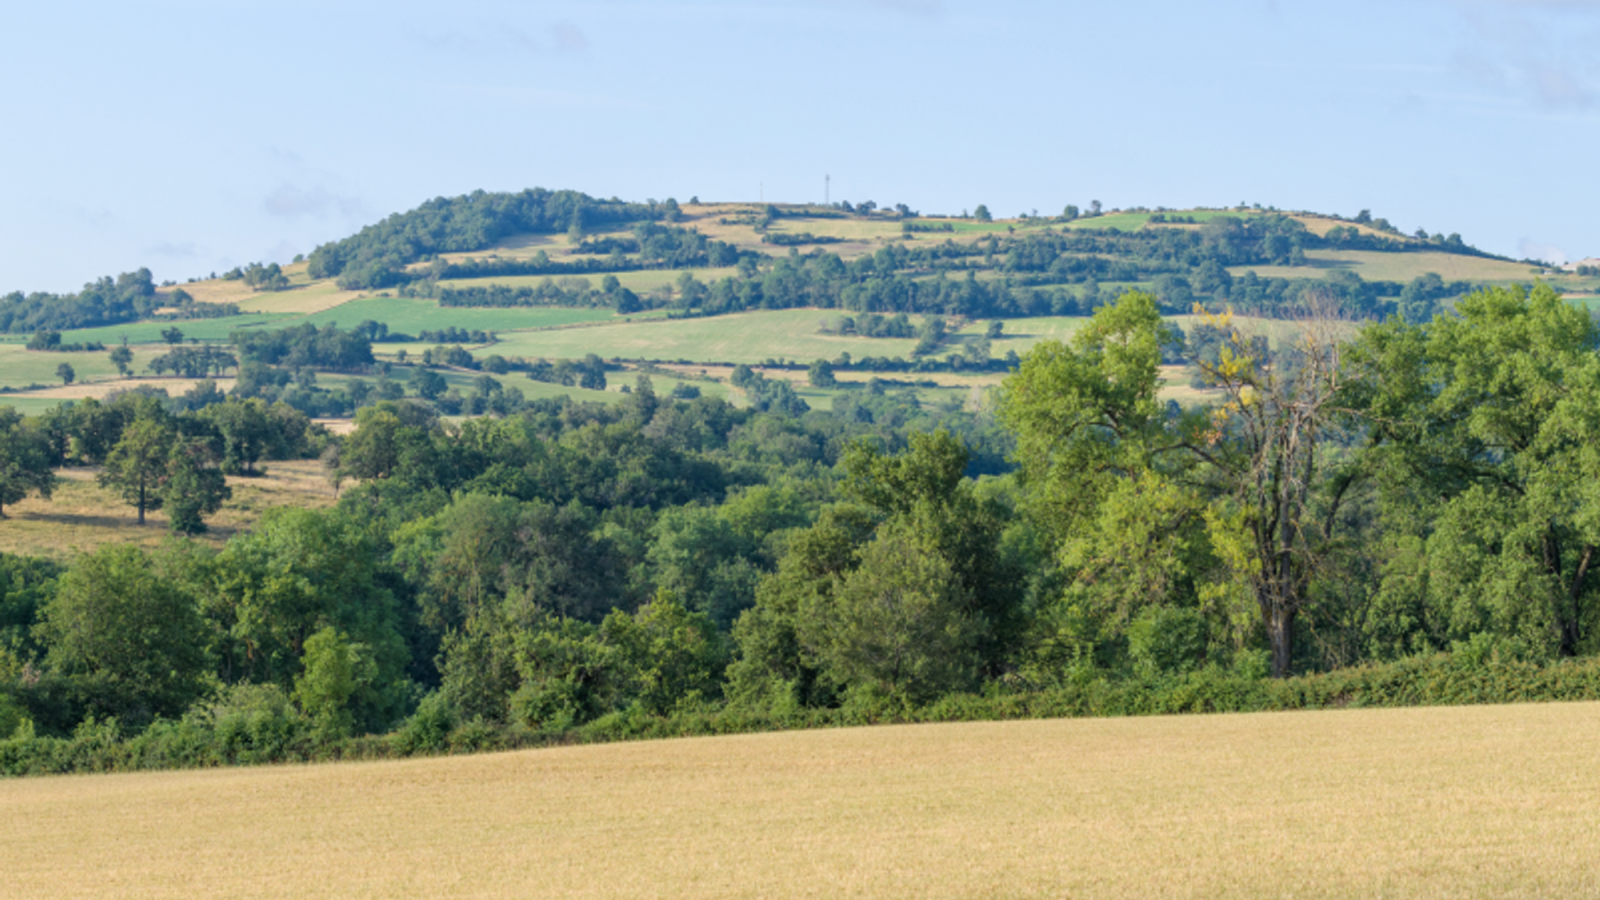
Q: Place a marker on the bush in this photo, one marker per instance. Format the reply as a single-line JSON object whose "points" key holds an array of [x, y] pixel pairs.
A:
{"points": [[253, 724], [1165, 639]]}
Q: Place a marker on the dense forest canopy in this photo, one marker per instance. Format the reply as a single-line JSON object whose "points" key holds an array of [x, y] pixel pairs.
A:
{"points": [[376, 256], [108, 301]]}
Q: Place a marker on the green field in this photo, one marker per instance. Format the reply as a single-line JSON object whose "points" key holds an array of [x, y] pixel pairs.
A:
{"points": [[20, 367], [410, 315], [742, 337], [200, 329], [640, 282], [1474, 802]]}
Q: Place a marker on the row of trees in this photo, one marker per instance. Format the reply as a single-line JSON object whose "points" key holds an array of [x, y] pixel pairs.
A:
{"points": [[376, 256]]}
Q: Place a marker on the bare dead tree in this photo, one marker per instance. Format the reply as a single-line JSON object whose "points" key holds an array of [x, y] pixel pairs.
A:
{"points": [[1267, 452]]}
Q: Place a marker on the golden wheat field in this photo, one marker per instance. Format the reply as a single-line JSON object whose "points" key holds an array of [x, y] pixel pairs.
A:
{"points": [[1441, 802]]}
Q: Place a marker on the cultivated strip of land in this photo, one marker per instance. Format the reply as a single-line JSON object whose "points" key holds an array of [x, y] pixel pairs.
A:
{"points": [[1435, 802]]}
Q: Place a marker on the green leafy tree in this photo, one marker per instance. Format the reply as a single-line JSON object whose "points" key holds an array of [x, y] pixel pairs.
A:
{"points": [[194, 487], [25, 460], [131, 638], [1489, 424], [821, 374], [982, 214], [122, 358], [138, 466], [66, 373], [297, 572], [333, 671], [676, 656], [901, 623], [1088, 419], [172, 335], [246, 430], [430, 384], [791, 646]]}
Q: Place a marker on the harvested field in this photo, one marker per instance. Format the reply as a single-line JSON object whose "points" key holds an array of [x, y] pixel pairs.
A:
{"points": [[1471, 802]]}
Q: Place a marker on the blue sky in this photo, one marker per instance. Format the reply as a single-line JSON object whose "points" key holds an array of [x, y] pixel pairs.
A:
{"points": [[194, 136]]}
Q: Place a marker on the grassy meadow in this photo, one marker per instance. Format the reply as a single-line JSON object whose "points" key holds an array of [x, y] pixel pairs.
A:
{"points": [[21, 367], [411, 315], [642, 281], [749, 337], [82, 516], [1402, 267], [1441, 802], [199, 329]]}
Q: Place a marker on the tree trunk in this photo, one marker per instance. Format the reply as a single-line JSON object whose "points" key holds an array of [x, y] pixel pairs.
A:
{"points": [[1571, 628], [141, 504], [1280, 630]]}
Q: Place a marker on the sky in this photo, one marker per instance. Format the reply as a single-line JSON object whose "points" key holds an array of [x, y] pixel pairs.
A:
{"points": [[193, 136]]}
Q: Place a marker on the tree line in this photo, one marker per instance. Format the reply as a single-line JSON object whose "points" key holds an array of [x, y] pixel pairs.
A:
{"points": [[376, 256], [1389, 496]]}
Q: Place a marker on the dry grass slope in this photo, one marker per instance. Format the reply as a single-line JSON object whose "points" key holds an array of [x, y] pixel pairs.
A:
{"points": [[1442, 802], [82, 516]]}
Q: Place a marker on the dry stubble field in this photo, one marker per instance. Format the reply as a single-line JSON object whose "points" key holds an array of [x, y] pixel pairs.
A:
{"points": [[1440, 802]]}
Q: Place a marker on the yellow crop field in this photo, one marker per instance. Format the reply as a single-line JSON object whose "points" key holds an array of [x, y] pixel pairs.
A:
{"points": [[1472, 802], [1375, 266]]}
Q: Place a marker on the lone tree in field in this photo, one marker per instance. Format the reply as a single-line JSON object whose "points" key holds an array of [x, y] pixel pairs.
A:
{"points": [[982, 213], [122, 358], [66, 373], [24, 460], [137, 466]]}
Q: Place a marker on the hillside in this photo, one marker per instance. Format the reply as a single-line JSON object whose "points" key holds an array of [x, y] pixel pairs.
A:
{"points": [[540, 275], [1443, 802]]}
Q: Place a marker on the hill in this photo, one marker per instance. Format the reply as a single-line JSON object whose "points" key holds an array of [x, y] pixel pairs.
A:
{"points": [[555, 275], [1442, 802]]}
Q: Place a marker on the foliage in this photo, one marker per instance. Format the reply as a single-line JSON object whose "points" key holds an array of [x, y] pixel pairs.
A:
{"points": [[129, 638], [26, 460], [128, 297]]}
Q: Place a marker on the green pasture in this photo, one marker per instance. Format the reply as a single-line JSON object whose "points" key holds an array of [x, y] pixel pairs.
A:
{"points": [[20, 367], [640, 282], [199, 329], [751, 337], [29, 405], [412, 315]]}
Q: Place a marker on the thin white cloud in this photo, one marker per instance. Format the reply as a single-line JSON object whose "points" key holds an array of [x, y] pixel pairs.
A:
{"points": [[926, 9], [292, 201], [1534, 50], [568, 38], [176, 250], [1548, 252], [560, 38]]}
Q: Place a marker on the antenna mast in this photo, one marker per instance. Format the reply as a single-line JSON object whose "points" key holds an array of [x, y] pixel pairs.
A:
{"points": [[827, 186]]}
